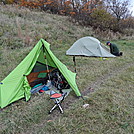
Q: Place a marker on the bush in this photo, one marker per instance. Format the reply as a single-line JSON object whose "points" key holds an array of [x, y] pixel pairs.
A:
{"points": [[128, 23], [7, 1], [102, 20]]}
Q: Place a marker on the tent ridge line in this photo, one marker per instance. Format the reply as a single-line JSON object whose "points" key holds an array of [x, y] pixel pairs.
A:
{"points": [[42, 45]]}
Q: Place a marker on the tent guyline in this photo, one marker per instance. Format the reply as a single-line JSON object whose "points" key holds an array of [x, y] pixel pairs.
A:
{"points": [[32, 70]]}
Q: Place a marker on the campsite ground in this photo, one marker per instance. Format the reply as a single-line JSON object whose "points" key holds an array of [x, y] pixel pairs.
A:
{"points": [[111, 106]]}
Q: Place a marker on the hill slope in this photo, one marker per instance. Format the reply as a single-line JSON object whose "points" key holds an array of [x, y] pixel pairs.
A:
{"points": [[111, 107]]}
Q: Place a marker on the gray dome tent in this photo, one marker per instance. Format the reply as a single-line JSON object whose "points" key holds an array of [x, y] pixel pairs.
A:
{"points": [[88, 46]]}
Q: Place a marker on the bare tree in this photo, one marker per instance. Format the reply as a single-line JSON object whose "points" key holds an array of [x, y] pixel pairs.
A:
{"points": [[119, 9]]}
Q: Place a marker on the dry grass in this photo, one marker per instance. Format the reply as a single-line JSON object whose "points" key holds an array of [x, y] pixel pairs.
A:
{"points": [[111, 106]]}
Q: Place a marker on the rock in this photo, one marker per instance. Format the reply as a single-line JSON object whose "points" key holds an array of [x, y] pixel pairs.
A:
{"points": [[85, 105]]}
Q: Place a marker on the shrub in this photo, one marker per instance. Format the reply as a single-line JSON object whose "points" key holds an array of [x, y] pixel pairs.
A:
{"points": [[101, 19], [7, 1], [128, 23]]}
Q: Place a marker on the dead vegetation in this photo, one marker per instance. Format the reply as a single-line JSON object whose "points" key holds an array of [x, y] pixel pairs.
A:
{"points": [[110, 102]]}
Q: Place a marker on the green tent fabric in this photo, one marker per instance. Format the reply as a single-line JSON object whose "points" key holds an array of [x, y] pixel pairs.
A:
{"points": [[15, 86]]}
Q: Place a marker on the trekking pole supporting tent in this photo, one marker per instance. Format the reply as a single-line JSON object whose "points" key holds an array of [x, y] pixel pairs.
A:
{"points": [[74, 63]]}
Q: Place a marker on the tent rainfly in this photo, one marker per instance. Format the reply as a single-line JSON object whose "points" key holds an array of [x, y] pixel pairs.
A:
{"points": [[16, 85], [88, 46]]}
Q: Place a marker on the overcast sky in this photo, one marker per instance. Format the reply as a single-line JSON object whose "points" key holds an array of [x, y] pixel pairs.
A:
{"points": [[132, 4]]}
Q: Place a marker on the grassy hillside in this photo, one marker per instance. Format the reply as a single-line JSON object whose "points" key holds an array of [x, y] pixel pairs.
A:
{"points": [[111, 107]]}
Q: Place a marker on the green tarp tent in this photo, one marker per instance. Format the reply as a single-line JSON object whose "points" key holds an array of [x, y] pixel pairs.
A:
{"points": [[15, 86]]}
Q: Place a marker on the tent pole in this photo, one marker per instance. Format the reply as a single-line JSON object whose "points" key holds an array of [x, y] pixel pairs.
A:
{"points": [[47, 68], [46, 61], [74, 63]]}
